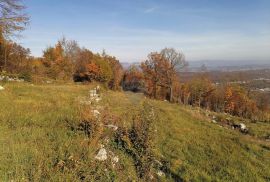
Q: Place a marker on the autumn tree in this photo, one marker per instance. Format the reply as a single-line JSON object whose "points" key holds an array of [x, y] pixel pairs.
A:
{"points": [[117, 71], [201, 89], [59, 61], [81, 71], [71, 51], [184, 93], [161, 71], [92, 67], [18, 58], [175, 62], [229, 100], [151, 69]]}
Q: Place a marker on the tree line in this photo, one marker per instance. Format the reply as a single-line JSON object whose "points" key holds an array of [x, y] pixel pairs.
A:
{"points": [[159, 77], [66, 61]]}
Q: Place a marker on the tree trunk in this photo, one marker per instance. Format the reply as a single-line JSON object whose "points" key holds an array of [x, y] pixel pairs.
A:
{"points": [[5, 58], [171, 93], [155, 90]]}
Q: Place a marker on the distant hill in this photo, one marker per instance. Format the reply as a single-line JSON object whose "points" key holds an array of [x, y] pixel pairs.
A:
{"points": [[220, 65], [128, 64], [229, 65]]}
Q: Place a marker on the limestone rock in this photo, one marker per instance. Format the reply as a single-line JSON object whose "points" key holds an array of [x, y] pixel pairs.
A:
{"points": [[242, 126], [96, 113], [160, 173], [102, 155], [112, 126]]}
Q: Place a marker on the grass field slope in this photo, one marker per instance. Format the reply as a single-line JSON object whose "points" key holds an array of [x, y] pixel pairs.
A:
{"points": [[47, 133]]}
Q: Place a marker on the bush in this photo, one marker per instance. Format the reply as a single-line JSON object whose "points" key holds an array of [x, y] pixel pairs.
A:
{"points": [[26, 76]]}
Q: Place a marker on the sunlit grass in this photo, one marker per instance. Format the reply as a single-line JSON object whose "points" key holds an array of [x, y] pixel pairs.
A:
{"points": [[34, 137]]}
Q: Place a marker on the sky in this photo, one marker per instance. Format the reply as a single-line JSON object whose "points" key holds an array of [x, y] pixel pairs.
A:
{"points": [[131, 29]]}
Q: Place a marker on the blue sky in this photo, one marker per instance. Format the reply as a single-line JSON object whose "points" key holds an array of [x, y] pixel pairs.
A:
{"points": [[130, 29]]}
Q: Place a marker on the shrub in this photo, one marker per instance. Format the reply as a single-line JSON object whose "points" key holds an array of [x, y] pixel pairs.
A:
{"points": [[138, 141], [26, 76]]}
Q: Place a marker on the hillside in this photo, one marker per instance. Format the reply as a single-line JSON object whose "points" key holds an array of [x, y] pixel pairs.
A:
{"points": [[47, 133]]}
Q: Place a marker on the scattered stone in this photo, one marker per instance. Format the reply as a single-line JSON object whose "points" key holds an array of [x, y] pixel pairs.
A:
{"points": [[9, 79], [96, 113], [115, 159], [106, 140], [214, 121], [98, 99], [160, 173], [85, 102], [102, 155], [101, 145], [112, 126], [159, 163], [93, 93], [2, 88], [61, 164], [243, 128], [71, 158], [98, 89]]}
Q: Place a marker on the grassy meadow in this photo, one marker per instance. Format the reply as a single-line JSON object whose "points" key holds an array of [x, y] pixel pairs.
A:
{"points": [[39, 140]]}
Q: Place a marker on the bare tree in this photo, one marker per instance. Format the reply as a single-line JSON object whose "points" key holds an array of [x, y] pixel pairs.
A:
{"points": [[176, 61], [12, 17], [12, 20]]}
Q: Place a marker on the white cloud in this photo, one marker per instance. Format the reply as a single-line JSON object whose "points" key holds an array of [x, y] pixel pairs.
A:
{"points": [[151, 9]]}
